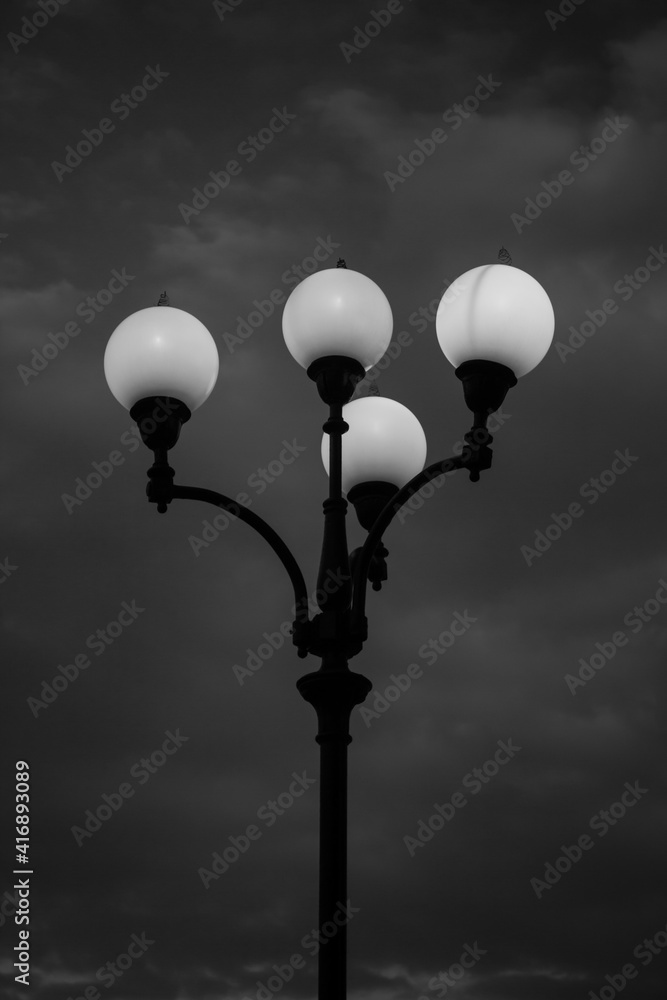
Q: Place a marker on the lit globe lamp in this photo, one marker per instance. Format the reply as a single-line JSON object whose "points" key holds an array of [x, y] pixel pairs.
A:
{"points": [[384, 447], [337, 324], [161, 364], [495, 323]]}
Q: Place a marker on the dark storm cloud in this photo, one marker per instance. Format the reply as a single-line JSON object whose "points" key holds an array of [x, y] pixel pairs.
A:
{"points": [[211, 609]]}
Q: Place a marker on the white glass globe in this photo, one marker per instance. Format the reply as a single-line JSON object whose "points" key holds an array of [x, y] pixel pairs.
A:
{"points": [[496, 313], [337, 312], [385, 443], [161, 351]]}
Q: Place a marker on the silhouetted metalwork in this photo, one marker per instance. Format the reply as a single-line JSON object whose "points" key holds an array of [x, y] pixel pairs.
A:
{"points": [[338, 631]]}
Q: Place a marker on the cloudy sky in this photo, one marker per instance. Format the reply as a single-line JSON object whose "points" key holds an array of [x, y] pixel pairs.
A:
{"points": [[539, 730]]}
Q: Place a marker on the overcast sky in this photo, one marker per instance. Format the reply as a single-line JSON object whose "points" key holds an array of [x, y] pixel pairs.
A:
{"points": [[544, 876]]}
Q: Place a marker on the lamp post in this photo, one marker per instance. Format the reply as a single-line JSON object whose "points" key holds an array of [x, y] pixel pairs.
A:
{"points": [[495, 323]]}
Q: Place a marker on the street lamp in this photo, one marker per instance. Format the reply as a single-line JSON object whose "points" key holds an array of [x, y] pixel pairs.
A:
{"points": [[494, 324]]}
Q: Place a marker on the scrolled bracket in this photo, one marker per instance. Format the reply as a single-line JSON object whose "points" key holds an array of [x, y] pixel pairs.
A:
{"points": [[162, 490], [377, 568], [160, 482], [329, 634], [477, 455]]}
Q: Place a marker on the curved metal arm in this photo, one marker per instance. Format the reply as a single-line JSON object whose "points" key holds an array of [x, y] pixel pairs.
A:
{"points": [[383, 520], [475, 457], [175, 492]]}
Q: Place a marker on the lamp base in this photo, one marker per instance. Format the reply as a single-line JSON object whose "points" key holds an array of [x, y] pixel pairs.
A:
{"points": [[485, 385], [160, 419], [368, 500], [336, 378]]}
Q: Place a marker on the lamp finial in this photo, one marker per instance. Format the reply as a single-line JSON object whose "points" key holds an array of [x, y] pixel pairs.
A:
{"points": [[504, 256]]}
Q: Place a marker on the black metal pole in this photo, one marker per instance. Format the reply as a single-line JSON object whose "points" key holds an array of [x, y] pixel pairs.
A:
{"points": [[339, 630], [333, 691], [332, 972]]}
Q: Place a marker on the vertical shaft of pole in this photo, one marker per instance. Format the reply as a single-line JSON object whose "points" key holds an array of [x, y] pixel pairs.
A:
{"points": [[333, 690], [332, 974], [334, 587], [336, 429]]}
